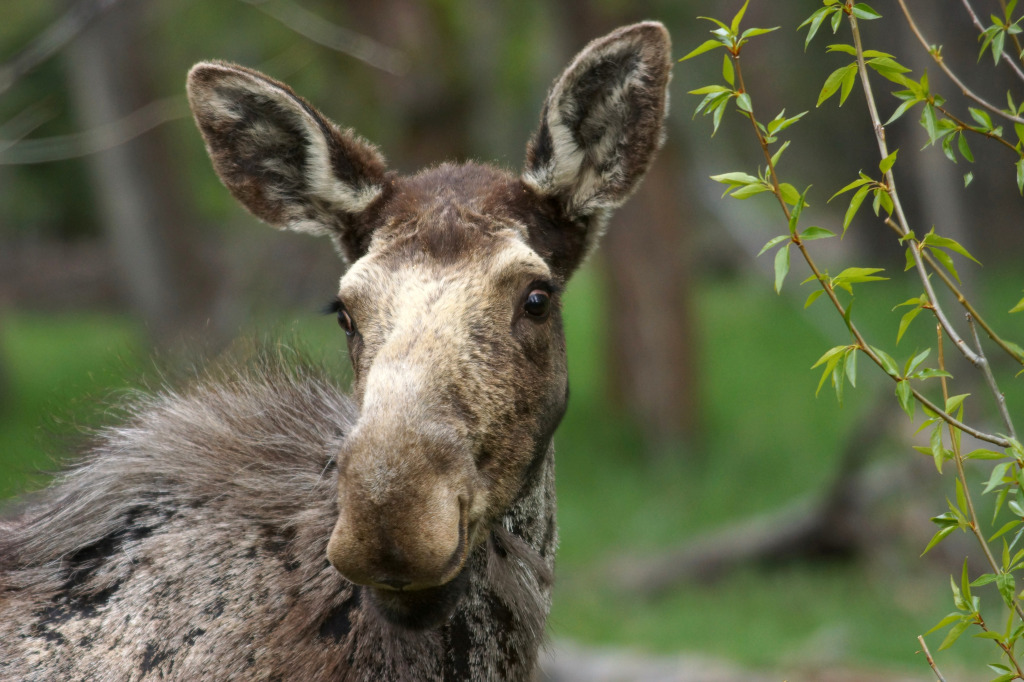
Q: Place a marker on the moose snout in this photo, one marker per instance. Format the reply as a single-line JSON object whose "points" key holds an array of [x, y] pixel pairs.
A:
{"points": [[412, 541]]}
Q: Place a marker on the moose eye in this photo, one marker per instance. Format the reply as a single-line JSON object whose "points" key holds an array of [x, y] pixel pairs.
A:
{"points": [[538, 303], [344, 319]]}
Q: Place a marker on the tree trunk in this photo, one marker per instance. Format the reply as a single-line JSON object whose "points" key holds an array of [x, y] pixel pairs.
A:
{"points": [[141, 206]]}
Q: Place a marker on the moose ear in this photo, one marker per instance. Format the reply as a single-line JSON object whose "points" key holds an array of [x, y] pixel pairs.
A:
{"points": [[282, 159], [601, 126]]}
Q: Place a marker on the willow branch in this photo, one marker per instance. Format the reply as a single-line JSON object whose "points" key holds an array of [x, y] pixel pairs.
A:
{"points": [[991, 381], [931, 661], [890, 179], [107, 136], [51, 40], [861, 342], [314, 27], [961, 299], [981, 29], [967, 92]]}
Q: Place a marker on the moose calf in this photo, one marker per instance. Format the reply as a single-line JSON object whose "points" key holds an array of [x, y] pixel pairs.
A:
{"points": [[260, 525]]}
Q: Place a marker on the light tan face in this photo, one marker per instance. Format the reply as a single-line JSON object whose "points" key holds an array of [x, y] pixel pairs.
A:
{"points": [[460, 375]]}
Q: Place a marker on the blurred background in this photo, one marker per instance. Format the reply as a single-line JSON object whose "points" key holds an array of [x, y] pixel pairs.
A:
{"points": [[717, 520]]}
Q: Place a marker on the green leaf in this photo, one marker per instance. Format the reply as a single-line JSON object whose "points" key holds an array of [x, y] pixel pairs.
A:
{"points": [[813, 232], [735, 26], [850, 367], [981, 117], [813, 297], [955, 632], [858, 275], [982, 453], [996, 478], [1008, 526], [936, 539], [750, 190], [888, 364], [781, 267], [1019, 307], [905, 321], [954, 403], [933, 240], [930, 122], [835, 81], [902, 109], [1020, 175], [706, 46], [905, 397], [965, 150], [885, 164], [855, 202], [789, 193], [848, 81], [863, 11], [773, 242], [965, 581], [815, 21], [727, 71], [947, 262], [949, 619], [778, 152], [1006, 585], [863, 180], [743, 102], [752, 32], [737, 178], [708, 89]]}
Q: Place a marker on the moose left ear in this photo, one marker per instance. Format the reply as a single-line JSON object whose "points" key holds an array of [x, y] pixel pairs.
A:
{"points": [[282, 159], [601, 126]]}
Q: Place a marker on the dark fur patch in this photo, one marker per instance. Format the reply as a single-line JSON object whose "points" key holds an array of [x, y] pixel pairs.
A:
{"points": [[338, 622]]}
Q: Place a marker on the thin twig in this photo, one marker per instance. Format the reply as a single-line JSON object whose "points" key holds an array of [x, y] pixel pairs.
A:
{"points": [[961, 299], [954, 442], [967, 92], [901, 217], [981, 29], [51, 40], [338, 38], [862, 343], [931, 661], [991, 380], [107, 136]]}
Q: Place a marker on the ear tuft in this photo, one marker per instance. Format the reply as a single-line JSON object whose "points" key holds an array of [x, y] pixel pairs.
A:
{"points": [[602, 123], [282, 159]]}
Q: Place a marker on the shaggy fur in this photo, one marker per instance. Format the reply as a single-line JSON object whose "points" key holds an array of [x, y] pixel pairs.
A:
{"points": [[259, 525], [191, 541]]}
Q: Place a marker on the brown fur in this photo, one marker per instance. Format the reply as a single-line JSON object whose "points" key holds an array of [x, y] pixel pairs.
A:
{"points": [[259, 524]]}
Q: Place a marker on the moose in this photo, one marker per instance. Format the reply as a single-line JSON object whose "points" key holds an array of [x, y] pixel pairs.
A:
{"points": [[261, 524]]}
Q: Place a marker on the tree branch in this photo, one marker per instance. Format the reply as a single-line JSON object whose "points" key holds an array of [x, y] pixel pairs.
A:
{"points": [[51, 40], [981, 29], [108, 136], [330, 35], [967, 92]]}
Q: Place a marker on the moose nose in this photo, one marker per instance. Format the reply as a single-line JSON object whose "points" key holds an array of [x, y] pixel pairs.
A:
{"points": [[415, 547]]}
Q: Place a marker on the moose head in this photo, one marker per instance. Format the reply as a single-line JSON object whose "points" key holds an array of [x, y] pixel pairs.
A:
{"points": [[451, 300]]}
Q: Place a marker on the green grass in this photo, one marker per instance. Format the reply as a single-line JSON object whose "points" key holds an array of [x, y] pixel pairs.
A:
{"points": [[767, 441]]}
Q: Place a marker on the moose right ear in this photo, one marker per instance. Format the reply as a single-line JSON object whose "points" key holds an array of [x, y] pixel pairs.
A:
{"points": [[599, 130], [282, 159]]}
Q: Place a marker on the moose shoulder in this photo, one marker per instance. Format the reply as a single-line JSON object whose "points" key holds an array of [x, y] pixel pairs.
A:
{"points": [[261, 525]]}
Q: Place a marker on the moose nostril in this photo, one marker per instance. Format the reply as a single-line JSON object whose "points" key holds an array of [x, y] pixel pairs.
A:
{"points": [[396, 583]]}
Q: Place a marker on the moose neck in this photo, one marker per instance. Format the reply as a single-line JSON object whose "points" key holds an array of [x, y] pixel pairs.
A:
{"points": [[510, 580]]}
